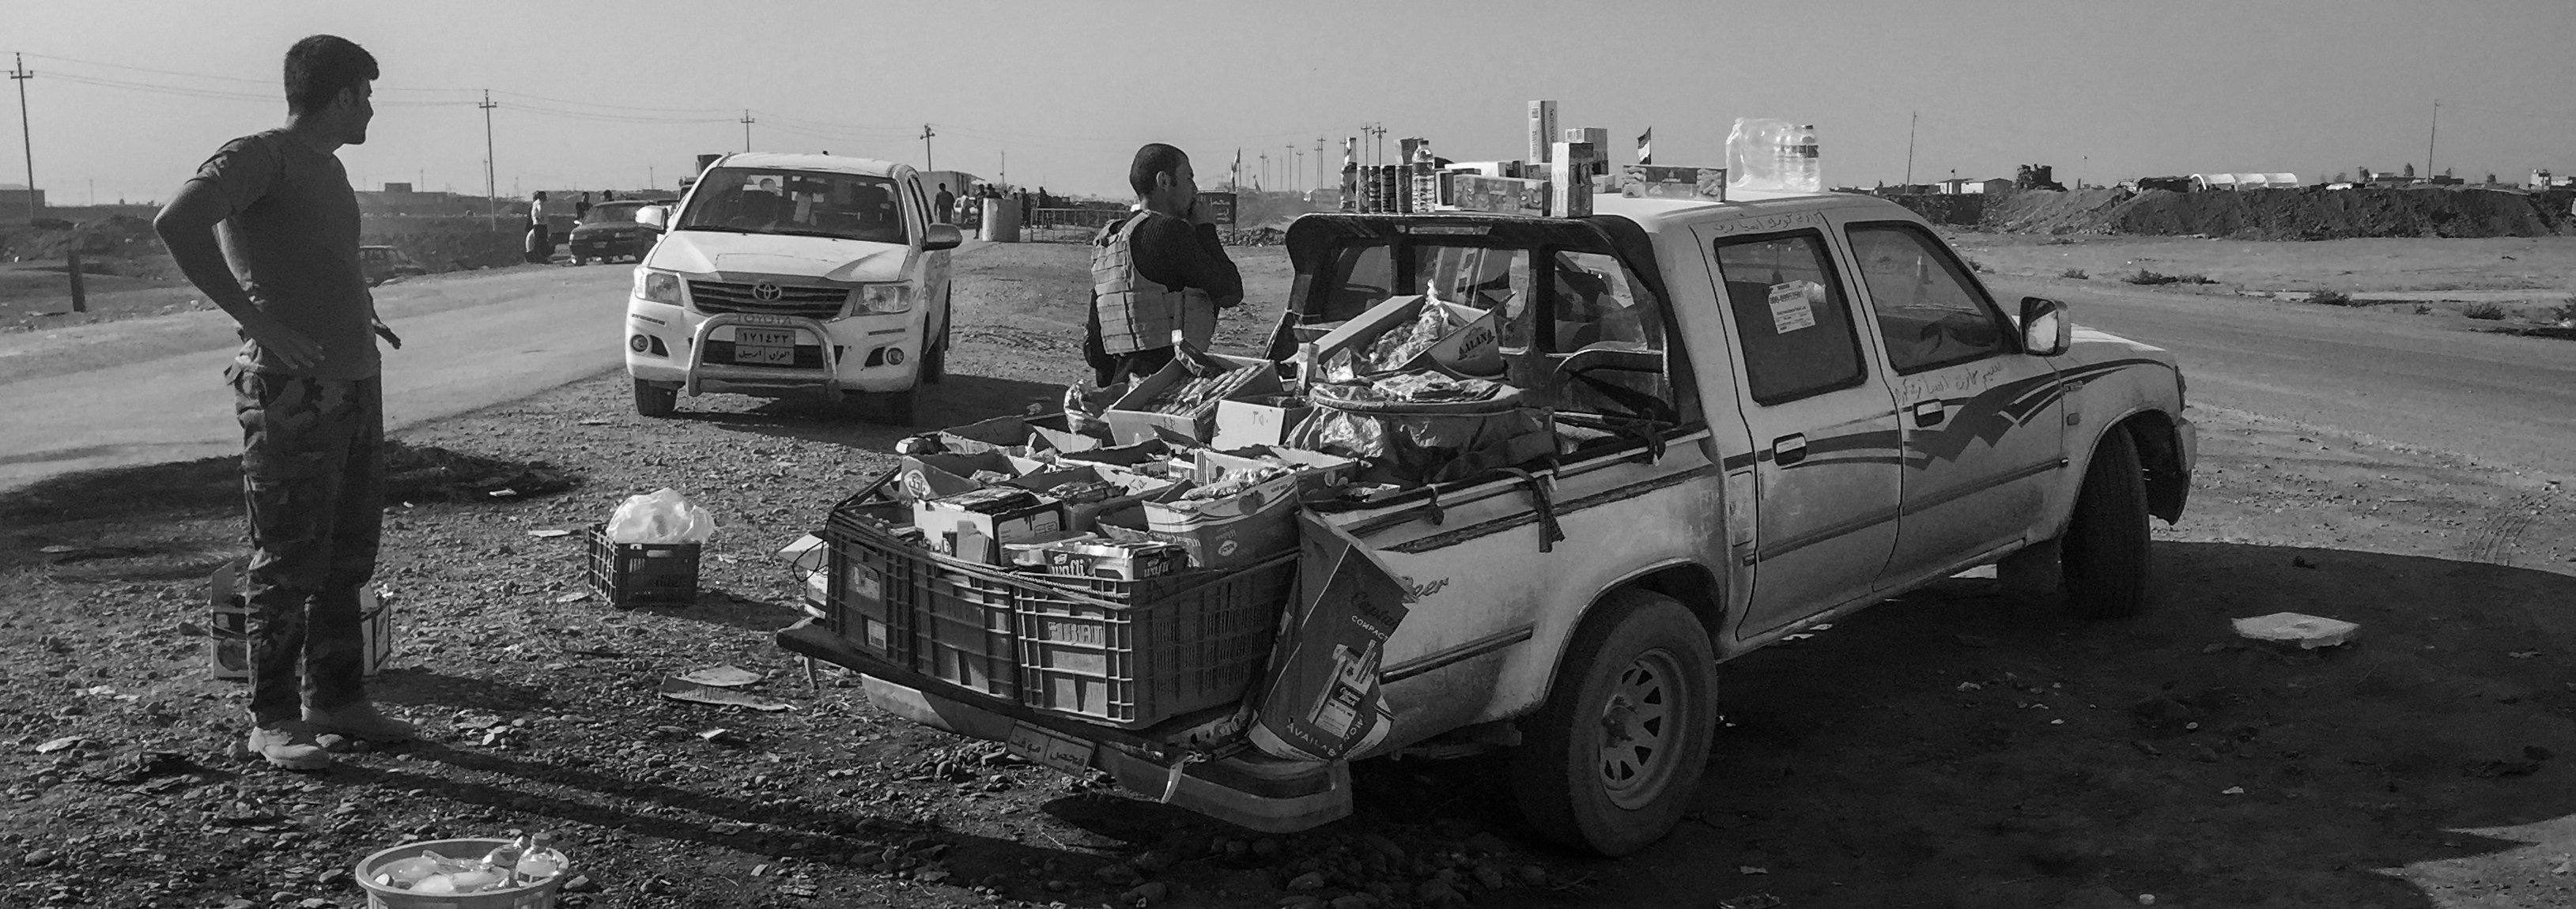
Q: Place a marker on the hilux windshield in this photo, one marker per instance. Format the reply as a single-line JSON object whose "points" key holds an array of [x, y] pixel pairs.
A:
{"points": [[796, 202]]}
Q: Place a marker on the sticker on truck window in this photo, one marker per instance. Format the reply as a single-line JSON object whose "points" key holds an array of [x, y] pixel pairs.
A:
{"points": [[1789, 308]]}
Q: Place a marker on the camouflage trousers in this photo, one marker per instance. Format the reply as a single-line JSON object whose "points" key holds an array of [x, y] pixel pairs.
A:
{"points": [[313, 475]]}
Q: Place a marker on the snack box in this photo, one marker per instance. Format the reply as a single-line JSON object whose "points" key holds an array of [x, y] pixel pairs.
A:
{"points": [[1260, 421], [1130, 423], [1498, 195], [1082, 516], [975, 525], [1651, 181], [1471, 352], [1009, 435], [1124, 561], [1316, 471], [938, 475], [1240, 529]]}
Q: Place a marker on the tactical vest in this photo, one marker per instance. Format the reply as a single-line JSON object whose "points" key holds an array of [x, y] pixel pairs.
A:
{"points": [[1134, 313]]}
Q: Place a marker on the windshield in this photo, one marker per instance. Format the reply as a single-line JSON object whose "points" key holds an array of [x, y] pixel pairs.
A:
{"points": [[612, 213], [804, 203]]}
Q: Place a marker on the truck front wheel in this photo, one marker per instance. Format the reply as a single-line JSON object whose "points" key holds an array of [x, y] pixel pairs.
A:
{"points": [[655, 400], [1611, 760], [2105, 548]]}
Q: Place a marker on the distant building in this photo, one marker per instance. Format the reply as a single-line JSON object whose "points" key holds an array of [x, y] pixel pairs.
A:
{"points": [[2245, 181], [14, 197], [1966, 186]]}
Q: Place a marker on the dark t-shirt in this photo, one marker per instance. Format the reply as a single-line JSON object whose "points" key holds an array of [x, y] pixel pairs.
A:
{"points": [[292, 242], [1178, 254]]}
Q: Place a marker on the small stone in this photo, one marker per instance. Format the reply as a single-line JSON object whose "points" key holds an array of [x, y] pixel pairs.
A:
{"points": [[1379, 844], [1146, 894], [1153, 862], [38, 858], [1353, 901], [1488, 843], [1439, 893], [314, 902], [581, 883], [1489, 877], [1265, 847], [1120, 874], [331, 876], [1533, 875], [1312, 880]]}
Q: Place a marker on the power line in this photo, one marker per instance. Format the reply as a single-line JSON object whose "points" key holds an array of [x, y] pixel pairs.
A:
{"points": [[491, 203], [27, 140], [927, 162]]}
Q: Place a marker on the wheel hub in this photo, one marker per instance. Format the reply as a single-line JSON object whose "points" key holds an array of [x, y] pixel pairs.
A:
{"points": [[1636, 730]]}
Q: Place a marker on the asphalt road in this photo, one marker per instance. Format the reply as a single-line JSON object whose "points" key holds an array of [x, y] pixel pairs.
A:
{"points": [[151, 390], [2420, 381]]}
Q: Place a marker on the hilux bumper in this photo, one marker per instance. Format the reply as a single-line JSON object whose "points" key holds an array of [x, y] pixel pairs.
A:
{"points": [[1249, 790]]}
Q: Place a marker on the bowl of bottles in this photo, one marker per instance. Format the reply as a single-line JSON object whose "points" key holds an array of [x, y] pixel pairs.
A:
{"points": [[456, 874]]}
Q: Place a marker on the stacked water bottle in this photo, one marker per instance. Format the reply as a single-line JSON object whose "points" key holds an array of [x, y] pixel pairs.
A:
{"points": [[528, 859]]}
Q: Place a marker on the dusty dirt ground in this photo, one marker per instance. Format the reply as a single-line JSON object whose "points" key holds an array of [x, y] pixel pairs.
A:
{"points": [[1956, 748]]}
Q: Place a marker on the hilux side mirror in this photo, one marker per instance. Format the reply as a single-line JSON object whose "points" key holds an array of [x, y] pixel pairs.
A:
{"points": [[941, 236], [657, 217], [2045, 329]]}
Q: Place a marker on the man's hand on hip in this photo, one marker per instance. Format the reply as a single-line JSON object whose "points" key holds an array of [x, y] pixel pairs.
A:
{"points": [[293, 348]]}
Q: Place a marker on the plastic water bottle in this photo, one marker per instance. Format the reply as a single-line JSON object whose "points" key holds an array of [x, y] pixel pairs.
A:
{"points": [[503, 864], [543, 859], [1799, 166]]}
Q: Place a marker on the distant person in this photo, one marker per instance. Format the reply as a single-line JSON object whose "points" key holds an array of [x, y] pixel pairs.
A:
{"points": [[308, 392], [1044, 200], [541, 247], [1158, 274], [608, 195], [945, 203]]}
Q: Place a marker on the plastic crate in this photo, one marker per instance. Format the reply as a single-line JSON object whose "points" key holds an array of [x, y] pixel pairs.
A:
{"points": [[629, 575], [867, 596], [1134, 653], [965, 632]]}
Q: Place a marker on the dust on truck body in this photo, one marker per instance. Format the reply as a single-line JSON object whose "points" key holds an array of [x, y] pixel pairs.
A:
{"points": [[1770, 411]]}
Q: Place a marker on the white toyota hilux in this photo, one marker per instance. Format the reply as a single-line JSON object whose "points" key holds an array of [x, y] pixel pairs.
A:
{"points": [[782, 275], [1771, 411]]}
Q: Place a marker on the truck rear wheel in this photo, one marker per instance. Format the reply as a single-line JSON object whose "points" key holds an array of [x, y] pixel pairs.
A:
{"points": [[2105, 550], [655, 400], [1611, 760]]}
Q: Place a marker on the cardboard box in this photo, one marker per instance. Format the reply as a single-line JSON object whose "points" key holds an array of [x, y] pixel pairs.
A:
{"points": [[1317, 472], [228, 626], [1510, 169], [1599, 139], [1009, 435], [942, 475], [1649, 181], [1498, 195], [1322, 699], [1239, 529], [1473, 351], [1542, 131], [1130, 423], [1262, 421], [1084, 516], [975, 525], [1569, 180]]}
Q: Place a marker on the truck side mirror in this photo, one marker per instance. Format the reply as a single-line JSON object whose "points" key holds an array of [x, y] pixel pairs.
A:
{"points": [[941, 236], [2045, 329], [657, 217]]}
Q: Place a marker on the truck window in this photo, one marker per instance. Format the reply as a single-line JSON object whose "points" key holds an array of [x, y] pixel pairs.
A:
{"points": [[803, 203], [1929, 311], [1362, 276], [1791, 317]]}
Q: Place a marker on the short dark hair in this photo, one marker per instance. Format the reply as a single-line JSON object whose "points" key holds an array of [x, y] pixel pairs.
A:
{"points": [[1154, 158], [318, 67]]}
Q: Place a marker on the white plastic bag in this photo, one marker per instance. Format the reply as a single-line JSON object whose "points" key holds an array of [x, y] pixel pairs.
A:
{"points": [[1753, 154], [665, 516]]}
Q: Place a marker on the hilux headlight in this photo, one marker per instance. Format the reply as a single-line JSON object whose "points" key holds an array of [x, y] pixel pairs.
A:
{"points": [[880, 299], [657, 286]]}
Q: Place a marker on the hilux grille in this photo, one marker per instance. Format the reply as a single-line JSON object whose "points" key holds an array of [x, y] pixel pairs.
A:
{"points": [[732, 296]]}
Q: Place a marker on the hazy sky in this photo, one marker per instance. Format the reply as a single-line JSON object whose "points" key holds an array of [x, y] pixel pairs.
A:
{"points": [[614, 94]]}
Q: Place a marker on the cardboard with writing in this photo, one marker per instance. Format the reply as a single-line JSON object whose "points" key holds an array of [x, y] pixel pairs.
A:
{"points": [[1321, 699]]}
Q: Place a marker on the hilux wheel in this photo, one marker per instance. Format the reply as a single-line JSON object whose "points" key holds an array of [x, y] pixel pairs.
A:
{"points": [[934, 362], [2105, 548], [655, 400], [1610, 761]]}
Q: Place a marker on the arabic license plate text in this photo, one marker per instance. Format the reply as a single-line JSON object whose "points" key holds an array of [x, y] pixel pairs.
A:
{"points": [[764, 346], [1045, 746]]}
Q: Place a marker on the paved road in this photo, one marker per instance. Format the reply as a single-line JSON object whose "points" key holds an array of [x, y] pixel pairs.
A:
{"points": [[151, 390], [2402, 378]]}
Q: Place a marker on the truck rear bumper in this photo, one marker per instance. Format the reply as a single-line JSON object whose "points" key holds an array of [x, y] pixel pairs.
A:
{"points": [[1248, 790]]}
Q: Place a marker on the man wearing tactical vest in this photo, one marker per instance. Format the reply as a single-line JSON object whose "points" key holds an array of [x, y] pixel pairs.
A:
{"points": [[1159, 275]]}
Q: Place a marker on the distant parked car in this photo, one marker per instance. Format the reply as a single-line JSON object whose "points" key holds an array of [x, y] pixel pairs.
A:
{"points": [[608, 232], [385, 263]]}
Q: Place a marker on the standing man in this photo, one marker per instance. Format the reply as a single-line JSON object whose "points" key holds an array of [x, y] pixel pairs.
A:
{"points": [[1159, 275], [945, 203], [306, 390]]}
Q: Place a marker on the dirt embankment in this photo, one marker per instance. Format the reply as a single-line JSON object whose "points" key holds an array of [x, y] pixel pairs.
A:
{"points": [[2282, 214]]}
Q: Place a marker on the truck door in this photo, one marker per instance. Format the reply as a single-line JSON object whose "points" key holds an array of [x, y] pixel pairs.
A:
{"points": [[1982, 420], [1823, 423]]}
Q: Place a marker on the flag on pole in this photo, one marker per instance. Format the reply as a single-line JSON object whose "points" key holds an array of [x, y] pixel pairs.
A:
{"points": [[1646, 146]]}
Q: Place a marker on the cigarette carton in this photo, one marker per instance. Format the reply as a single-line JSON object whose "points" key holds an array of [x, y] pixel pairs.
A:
{"points": [[1499, 195], [1542, 131], [1569, 180], [1651, 181]]}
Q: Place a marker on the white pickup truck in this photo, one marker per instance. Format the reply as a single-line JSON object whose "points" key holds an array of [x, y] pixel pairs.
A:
{"points": [[1772, 411]]}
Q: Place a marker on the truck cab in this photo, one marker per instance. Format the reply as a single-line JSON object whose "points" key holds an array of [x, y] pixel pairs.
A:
{"points": [[1770, 411], [792, 274]]}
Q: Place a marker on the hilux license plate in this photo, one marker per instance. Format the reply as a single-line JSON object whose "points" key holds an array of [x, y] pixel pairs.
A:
{"points": [[1046, 746], [764, 346]]}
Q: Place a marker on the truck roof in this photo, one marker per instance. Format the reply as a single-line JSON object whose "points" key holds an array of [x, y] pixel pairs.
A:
{"points": [[838, 164], [1653, 214]]}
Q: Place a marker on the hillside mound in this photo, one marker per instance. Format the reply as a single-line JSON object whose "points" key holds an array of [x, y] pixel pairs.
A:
{"points": [[2282, 214]]}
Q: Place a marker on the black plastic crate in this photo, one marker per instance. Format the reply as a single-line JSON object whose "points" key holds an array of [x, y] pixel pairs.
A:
{"points": [[629, 575], [868, 596], [1134, 653]]}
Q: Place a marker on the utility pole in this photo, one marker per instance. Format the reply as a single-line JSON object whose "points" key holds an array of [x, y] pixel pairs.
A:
{"points": [[1291, 169], [491, 184], [2428, 141], [1910, 118], [1320, 179], [1005, 175], [927, 162], [20, 75], [746, 129]]}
